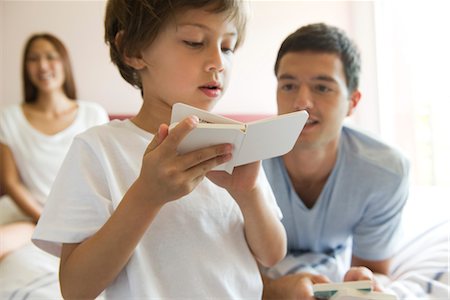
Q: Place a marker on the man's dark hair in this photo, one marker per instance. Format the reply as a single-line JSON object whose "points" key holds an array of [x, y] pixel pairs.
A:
{"points": [[324, 38]]}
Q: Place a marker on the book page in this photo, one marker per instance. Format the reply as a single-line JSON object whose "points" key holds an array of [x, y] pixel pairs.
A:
{"points": [[206, 135], [271, 137]]}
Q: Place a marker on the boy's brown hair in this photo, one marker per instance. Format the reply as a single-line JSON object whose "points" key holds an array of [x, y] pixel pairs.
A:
{"points": [[140, 21]]}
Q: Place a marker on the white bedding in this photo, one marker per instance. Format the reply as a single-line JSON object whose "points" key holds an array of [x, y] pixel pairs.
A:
{"points": [[29, 274], [420, 270]]}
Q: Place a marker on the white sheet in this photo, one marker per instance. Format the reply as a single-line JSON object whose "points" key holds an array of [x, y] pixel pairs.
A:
{"points": [[30, 274], [420, 269]]}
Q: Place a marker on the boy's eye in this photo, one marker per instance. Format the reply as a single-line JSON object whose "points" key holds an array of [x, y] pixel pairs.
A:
{"points": [[193, 44], [227, 50]]}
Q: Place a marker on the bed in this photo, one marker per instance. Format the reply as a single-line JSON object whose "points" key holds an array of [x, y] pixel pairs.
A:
{"points": [[420, 267]]}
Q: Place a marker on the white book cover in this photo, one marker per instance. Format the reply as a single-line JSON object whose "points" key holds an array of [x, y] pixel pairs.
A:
{"points": [[360, 295], [349, 290], [253, 141]]}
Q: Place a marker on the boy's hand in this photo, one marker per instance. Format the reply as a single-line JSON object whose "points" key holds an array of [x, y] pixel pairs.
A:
{"points": [[243, 179], [165, 175]]}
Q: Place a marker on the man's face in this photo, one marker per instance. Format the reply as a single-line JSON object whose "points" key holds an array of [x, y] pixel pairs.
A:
{"points": [[315, 82]]}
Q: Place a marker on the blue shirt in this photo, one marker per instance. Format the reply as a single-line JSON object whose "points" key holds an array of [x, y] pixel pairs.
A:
{"points": [[362, 199]]}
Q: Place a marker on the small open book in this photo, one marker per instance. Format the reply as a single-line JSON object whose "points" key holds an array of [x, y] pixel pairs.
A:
{"points": [[251, 141], [349, 290]]}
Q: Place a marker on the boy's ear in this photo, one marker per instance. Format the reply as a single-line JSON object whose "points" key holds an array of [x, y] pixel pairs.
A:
{"points": [[353, 102], [136, 63]]}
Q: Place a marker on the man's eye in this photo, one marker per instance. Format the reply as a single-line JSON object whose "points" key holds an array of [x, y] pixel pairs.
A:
{"points": [[193, 44], [287, 87], [323, 89]]}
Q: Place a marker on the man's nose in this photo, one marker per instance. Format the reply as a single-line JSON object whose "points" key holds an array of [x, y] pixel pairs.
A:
{"points": [[303, 100]]}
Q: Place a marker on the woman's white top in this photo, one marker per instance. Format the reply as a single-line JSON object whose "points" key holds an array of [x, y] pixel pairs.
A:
{"points": [[38, 156]]}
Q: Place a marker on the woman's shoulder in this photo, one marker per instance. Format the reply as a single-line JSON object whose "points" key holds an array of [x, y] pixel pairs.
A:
{"points": [[91, 110], [11, 108], [11, 111], [90, 105]]}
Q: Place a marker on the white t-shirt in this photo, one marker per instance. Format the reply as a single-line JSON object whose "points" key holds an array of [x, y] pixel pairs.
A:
{"points": [[194, 249], [38, 156]]}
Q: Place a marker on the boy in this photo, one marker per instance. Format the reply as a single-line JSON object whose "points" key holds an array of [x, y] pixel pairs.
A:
{"points": [[137, 218]]}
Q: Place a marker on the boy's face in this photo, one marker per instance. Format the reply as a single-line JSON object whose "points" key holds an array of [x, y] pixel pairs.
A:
{"points": [[190, 60], [315, 82]]}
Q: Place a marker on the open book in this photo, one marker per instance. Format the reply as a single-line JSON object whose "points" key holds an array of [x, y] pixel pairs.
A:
{"points": [[349, 290], [251, 141]]}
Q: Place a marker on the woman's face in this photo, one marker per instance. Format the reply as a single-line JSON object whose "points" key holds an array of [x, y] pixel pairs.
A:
{"points": [[45, 67]]}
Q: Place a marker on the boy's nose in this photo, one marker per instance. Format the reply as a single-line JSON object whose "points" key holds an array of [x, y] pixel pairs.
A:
{"points": [[215, 62]]}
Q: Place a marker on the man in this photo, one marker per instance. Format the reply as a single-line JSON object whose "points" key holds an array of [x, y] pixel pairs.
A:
{"points": [[337, 183]]}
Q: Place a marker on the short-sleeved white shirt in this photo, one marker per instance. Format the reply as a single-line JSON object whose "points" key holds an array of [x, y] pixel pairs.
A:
{"points": [[194, 249], [38, 156]]}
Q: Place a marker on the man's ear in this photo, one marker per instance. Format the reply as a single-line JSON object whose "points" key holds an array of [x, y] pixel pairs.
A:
{"points": [[353, 102], [136, 63]]}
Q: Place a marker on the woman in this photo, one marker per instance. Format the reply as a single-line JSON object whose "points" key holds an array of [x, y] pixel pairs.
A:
{"points": [[36, 134]]}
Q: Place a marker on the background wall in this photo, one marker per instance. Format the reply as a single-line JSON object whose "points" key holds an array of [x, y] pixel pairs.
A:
{"points": [[80, 25], [2, 18]]}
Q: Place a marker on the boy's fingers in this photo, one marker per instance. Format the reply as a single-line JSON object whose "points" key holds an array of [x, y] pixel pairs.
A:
{"points": [[178, 133], [209, 157], [160, 136], [163, 132]]}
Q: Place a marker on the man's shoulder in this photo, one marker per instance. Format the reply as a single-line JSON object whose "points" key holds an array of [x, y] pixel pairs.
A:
{"points": [[368, 150]]}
